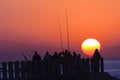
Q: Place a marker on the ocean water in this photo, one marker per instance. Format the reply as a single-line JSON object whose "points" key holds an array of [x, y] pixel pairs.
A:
{"points": [[112, 66]]}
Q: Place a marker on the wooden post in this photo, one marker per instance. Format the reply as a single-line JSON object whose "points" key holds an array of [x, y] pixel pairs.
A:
{"points": [[83, 65], [92, 65], [4, 70], [88, 65], [96, 65], [40, 70], [23, 70], [96, 61], [10, 70], [29, 70], [43, 71], [102, 65], [17, 70], [35, 69], [0, 72]]}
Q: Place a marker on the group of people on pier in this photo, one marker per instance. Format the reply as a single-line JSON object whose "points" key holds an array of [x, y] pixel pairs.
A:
{"points": [[59, 66], [65, 63]]}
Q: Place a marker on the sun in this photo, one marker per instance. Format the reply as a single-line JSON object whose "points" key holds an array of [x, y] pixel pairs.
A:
{"points": [[89, 45]]}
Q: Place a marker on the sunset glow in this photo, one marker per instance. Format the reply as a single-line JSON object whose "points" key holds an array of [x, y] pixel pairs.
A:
{"points": [[89, 46], [32, 24]]}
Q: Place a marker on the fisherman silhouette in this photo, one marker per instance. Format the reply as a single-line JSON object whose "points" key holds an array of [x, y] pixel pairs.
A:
{"points": [[74, 55], [36, 57], [79, 62], [74, 62], [55, 56], [96, 54], [96, 61], [47, 57]]}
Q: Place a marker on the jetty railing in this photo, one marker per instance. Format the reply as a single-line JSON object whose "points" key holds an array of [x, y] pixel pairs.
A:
{"points": [[49, 70]]}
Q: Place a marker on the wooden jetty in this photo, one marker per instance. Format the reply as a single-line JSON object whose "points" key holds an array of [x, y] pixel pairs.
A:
{"points": [[62, 66]]}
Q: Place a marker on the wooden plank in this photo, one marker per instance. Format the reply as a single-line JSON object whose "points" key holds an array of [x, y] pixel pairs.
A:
{"points": [[29, 70], [17, 70], [23, 70], [102, 65], [10, 70], [4, 70]]}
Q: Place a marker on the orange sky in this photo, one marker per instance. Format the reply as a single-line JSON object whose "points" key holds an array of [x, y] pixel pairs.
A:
{"points": [[28, 24]]}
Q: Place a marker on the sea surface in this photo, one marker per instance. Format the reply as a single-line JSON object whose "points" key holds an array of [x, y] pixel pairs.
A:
{"points": [[112, 66]]}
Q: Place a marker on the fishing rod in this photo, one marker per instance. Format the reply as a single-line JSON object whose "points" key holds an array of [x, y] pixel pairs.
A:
{"points": [[68, 43], [25, 57], [60, 33]]}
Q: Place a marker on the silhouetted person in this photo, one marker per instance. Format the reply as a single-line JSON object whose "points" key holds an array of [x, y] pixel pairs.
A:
{"points": [[36, 57], [55, 56], [87, 63], [100, 60], [74, 55], [47, 57], [74, 62], [47, 65], [96, 54], [67, 54], [79, 62], [67, 63], [56, 65], [96, 61]]}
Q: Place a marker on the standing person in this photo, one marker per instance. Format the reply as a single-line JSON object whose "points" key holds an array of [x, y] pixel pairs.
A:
{"points": [[36, 57], [96, 61], [36, 67]]}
